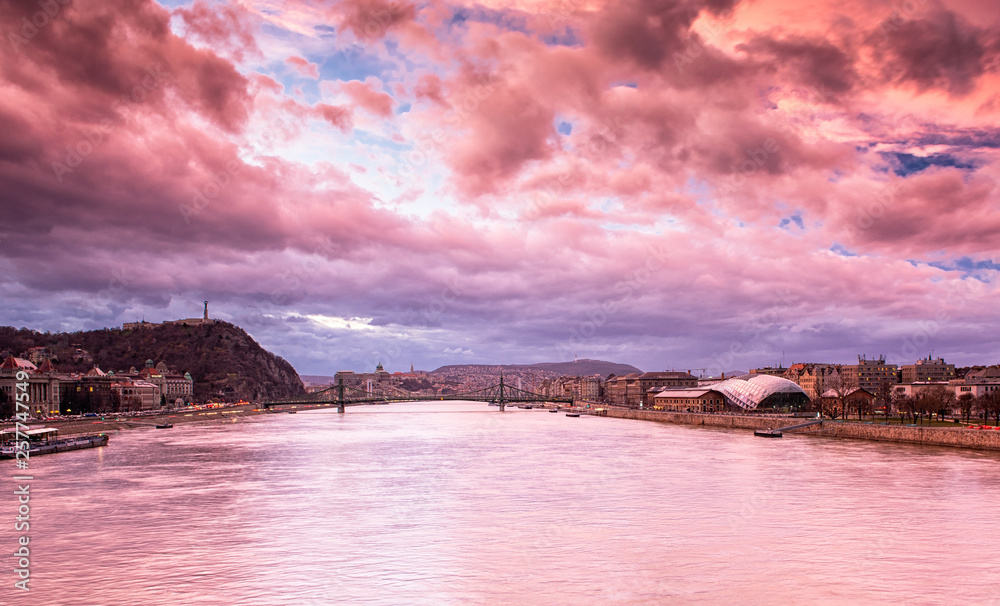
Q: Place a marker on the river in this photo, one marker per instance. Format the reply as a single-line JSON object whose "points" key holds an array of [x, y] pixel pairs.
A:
{"points": [[457, 503]]}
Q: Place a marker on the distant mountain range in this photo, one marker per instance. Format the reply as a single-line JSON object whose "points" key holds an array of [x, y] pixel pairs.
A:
{"points": [[578, 367]]}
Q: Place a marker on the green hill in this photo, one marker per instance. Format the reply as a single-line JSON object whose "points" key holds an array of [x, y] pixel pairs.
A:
{"points": [[221, 357]]}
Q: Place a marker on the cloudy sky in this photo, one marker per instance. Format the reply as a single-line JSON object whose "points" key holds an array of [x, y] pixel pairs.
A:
{"points": [[667, 183]]}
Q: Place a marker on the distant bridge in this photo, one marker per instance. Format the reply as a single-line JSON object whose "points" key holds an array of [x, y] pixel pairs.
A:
{"points": [[341, 396]]}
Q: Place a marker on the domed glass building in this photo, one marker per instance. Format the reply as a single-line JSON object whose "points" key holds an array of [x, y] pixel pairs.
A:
{"points": [[750, 392]]}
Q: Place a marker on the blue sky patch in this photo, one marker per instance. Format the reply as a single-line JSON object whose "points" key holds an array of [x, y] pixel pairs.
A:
{"points": [[795, 218], [839, 249], [908, 164]]}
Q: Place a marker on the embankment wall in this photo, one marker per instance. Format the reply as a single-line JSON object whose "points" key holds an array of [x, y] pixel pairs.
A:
{"points": [[933, 436]]}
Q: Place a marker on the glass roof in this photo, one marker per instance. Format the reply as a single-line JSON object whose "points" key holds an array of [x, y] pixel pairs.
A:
{"points": [[749, 391]]}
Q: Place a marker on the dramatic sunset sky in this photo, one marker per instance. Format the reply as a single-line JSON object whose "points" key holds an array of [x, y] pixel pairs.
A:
{"points": [[667, 183]]}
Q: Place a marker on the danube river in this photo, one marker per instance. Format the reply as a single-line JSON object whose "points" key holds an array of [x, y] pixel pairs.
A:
{"points": [[457, 503]]}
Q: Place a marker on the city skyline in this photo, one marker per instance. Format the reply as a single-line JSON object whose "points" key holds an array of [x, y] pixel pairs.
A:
{"points": [[690, 184]]}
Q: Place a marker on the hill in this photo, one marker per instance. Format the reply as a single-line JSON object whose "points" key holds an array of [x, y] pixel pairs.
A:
{"points": [[548, 369], [584, 368], [221, 357]]}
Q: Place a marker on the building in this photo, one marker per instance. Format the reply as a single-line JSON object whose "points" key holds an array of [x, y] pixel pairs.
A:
{"points": [[852, 400], [912, 390], [751, 392], [983, 376], [365, 380], [185, 322], [136, 394], [868, 374], [590, 388], [176, 388], [688, 400], [927, 370], [44, 387], [814, 379], [90, 392], [634, 389], [578, 388], [774, 371], [977, 382], [649, 381], [974, 390], [623, 390]]}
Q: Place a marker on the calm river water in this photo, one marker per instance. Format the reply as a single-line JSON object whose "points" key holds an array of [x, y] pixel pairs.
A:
{"points": [[443, 504]]}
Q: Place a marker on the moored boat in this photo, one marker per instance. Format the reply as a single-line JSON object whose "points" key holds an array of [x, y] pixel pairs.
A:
{"points": [[44, 441]]}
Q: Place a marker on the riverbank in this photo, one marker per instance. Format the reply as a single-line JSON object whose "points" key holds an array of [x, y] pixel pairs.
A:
{"points": [[958, 437], [106, 423]]}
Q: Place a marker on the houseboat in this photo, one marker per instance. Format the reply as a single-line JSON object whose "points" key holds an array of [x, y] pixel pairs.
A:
{"points": [[44, 440]]}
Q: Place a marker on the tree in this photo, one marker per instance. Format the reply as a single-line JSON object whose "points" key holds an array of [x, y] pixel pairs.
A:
{"points": [[907, 405], [816, 403], [989, 405], [862, 403], [965, 404], [938, 400], [842, 385], [934, 400], [886, 396], [829, 406]]}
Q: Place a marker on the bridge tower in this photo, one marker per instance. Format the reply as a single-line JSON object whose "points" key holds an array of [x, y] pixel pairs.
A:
{"points": [[340, 394], [502, 402]]}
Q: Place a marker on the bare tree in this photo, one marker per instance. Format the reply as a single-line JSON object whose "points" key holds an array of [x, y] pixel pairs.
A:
{"points": [[830, 406], [934, 400], [862, 403], [907, 405], [938, 400], [817, 403], [965, 404], [842, 385], [989, 404], [885, 396]]}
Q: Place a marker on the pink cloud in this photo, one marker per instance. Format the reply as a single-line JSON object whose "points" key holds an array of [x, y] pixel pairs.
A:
{"points": [[336, 116], [227, 28], [303, 67], [364, 95]]}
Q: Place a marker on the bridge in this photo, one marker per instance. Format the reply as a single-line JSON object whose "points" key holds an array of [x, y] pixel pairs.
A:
{"points": [[341, 396]]}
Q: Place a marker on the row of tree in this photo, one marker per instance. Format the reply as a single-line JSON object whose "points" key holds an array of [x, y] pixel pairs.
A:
{"points": [[935, 400]]}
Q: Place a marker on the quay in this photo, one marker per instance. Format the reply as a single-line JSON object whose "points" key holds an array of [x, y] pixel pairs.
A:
{"points": [[956, 437], [777, 433]]}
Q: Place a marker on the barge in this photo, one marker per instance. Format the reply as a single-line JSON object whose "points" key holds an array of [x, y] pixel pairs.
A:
{"points": [[44, 441]]}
